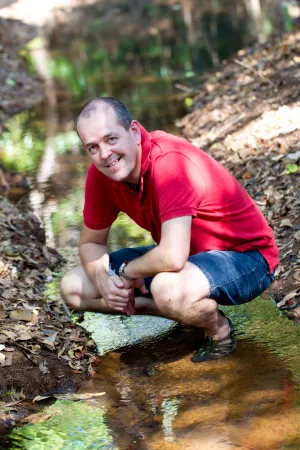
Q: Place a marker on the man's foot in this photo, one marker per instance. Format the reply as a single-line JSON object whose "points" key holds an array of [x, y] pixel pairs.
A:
{"points": [[216, 348]]}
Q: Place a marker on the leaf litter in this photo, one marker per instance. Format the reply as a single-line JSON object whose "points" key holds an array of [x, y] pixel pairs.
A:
{"points": [[31, 325], [246, 115]]}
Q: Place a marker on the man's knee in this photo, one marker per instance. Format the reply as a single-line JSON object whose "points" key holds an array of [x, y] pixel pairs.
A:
{"points": [[166, 292], [69, 286], [175, 294]]}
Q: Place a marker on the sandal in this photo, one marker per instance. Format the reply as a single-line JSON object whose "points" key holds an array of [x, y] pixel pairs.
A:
{"points": [[216, 348]]}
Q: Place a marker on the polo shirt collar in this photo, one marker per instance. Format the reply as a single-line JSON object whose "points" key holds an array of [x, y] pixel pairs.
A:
{"points": [[146, 147], [145, 161]]}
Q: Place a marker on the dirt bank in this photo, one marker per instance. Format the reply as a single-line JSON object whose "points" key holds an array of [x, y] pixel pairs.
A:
{"points": [[246, 115], [41, 351]]}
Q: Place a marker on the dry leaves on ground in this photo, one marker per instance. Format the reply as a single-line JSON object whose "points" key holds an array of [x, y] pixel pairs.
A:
{"points": [[246, 115]]}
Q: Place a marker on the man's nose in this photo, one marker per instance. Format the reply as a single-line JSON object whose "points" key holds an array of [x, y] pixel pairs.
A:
{"points": [[105, 152]]}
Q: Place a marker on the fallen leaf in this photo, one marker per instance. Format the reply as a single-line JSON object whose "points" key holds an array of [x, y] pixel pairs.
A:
{"points": [[61, 351], [49, 341], [286, 223], [40, 398], [3, 338], [24, 337], [2, 313], [21, 314], [292, 168], [295, 313], [76, 396], [75, 365], [43, 367], [286, 298], [297, 235], [294, 156], [8, 361], [9, 334], [36, 418], [2, 358], [247, 175], [297, 275]]}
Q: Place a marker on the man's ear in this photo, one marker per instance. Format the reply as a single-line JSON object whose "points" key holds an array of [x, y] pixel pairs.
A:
{"points": [[136, 131]]}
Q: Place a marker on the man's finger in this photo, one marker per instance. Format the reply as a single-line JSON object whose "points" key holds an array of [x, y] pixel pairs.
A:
{"points": [[143, 289], [117, 281]]}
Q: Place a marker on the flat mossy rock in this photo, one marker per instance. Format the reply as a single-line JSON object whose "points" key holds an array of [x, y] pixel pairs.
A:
{"points": [[112, 332]]}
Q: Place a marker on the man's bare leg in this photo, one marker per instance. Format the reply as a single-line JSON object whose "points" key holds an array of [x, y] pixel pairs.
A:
{"points": [[79, 293], [181, 296]]}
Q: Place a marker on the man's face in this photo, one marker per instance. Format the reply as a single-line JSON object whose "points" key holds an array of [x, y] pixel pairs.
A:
{"points": [[114, 151]]}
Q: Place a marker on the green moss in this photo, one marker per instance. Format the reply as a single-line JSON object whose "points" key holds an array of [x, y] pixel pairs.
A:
{"points": [[262, 322], [72, 426]]}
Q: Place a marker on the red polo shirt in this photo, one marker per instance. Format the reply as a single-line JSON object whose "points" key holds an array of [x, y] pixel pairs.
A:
{"points": [[178, 179]]}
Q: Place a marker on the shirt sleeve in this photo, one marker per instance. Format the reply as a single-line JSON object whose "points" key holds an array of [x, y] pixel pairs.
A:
{"points": [[178, 186], [98, 212]]}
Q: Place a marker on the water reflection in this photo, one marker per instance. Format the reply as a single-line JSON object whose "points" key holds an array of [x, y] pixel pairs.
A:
{"points": [[69, 425], [157, 399], [171, 403]]}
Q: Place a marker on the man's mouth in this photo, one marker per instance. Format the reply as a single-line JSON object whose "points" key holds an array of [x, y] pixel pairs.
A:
{"points": [[114, 162]]}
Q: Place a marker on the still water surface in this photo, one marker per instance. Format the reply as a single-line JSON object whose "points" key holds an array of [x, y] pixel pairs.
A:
{"points": [[155, 398]]}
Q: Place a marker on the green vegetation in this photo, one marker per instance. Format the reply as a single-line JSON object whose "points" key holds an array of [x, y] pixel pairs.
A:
{"points": [[73, 426], [126, 233], [22, 146], [69, 212], [261, 321]]}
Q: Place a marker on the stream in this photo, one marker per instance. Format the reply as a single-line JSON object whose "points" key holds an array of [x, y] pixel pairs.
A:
{"points": [[152, 396]]}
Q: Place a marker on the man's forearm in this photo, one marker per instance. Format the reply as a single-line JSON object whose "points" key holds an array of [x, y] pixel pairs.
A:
{"points": [[153, 262], [94, 259]]}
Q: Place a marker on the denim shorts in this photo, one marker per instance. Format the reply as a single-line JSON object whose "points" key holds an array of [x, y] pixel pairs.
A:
{"points": [[234, 277]]}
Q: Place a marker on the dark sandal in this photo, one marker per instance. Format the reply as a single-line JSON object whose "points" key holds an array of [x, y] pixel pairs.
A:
{"points": [[216, 348]]}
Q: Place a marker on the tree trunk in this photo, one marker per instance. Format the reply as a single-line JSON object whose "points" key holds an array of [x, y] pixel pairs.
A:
{"points": [[254, 10]]}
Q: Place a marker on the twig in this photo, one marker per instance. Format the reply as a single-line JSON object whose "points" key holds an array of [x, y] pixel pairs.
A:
{"points": [[261, 75], [186, 89]]}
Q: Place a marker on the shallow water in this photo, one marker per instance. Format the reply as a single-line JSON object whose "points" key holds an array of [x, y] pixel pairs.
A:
{"points": [[155, 398]]}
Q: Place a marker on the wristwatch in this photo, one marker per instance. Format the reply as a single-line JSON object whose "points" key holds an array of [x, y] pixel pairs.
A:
{"points": [[122, 273]]}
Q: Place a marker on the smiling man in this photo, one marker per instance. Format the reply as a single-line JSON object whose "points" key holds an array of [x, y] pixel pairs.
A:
{"points": [[214, 247]]}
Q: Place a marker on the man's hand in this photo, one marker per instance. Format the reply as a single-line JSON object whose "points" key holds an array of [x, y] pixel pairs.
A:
{"points": [[114, 292], [139, 283]]}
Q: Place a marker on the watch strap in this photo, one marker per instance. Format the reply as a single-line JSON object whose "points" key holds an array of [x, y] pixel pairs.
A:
{"points": [[122, 273]]}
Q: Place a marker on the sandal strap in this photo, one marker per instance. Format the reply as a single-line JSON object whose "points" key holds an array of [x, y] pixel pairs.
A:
{"points": [[216, 348]]}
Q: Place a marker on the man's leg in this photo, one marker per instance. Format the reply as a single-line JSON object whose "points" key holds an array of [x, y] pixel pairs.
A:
{"points": [[79, 293], [183, 296]]}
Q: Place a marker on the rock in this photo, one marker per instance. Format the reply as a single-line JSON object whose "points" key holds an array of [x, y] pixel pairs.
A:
{"points": [[111, 332]]}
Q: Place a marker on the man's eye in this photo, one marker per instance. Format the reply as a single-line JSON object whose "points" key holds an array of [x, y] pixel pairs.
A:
{"points": [[92, 149], [112, 139]]}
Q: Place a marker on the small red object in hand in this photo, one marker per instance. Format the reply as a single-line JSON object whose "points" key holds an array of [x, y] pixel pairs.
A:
{"points": [[130, 307]]}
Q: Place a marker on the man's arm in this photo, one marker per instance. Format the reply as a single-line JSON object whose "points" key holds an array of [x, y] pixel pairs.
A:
{"points": [[170, 255], [93, 251], [95, 261]]}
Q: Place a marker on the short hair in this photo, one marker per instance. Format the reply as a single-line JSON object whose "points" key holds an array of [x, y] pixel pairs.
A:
{"points": [[123, 115]]}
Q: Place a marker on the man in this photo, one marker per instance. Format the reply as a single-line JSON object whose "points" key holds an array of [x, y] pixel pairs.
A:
{"points": [[213, 244]]}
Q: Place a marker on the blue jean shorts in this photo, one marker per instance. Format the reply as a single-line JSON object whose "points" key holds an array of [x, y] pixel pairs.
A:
{"points": [[234, 277]]}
